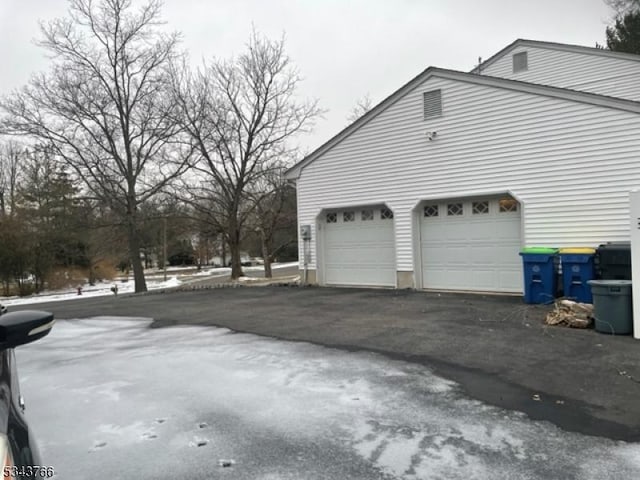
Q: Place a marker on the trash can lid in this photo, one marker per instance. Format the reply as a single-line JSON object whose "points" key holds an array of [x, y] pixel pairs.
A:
{"points": [[610, 283], [615, 246], [540, 250], [578, 250]]}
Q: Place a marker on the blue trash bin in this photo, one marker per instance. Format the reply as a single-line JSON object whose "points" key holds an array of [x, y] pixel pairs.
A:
{"points": [[540, 280], [577, 269]]}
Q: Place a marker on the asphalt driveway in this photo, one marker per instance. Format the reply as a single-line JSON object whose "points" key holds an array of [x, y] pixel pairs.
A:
{"points": [[111, 395], [498, 349]]}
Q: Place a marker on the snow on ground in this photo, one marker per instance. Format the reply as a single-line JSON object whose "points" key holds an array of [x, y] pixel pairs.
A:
{"points": [[292, 278], [154, 282], [98, 290], [112, 396]]}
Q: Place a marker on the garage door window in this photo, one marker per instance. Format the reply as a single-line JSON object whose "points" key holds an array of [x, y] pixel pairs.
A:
{"points": [[386, 214], [348, 216], [431, 211], [508, 205], [454, 209], [480, 208], [366, 215], [332, 217]]}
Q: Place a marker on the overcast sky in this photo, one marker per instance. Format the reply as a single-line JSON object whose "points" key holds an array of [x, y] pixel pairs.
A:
{"points": [[343, 48]]}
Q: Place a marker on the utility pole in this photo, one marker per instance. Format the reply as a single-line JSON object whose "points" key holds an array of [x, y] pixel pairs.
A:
{"points": [[164, 248]]}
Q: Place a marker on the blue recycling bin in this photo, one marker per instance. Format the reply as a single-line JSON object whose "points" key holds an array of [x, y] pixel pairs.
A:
{"points": [[578, 268], [540, 280]]}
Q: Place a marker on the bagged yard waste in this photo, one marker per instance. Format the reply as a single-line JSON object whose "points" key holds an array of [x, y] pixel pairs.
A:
{"points": [[571, 314]]}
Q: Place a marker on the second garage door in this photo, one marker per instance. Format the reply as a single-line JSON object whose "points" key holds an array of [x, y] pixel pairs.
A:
{"points": [[358, 247], [471, 245]]}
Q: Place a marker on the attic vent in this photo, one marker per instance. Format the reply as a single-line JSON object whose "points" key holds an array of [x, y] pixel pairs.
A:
{"points": [[520, 63], [432, 104]]}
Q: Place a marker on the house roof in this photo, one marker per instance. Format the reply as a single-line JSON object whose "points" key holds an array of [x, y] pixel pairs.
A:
{"points": [[497, 82], [521, 42]]}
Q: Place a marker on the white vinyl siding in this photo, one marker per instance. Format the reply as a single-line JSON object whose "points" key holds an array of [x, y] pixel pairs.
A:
{"points": [[571, 164], [614, 77]]}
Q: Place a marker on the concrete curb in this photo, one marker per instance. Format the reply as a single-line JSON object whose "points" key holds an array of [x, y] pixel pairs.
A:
{"points": [[230, 284]]}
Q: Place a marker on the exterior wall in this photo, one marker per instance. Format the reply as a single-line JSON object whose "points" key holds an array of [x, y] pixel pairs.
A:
{"points": [[604, 75], [570, 164]]}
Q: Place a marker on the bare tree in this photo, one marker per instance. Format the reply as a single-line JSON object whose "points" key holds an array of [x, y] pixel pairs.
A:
{"points": [[241, 114], [11, 154], [105, 106], [274, 213], [362, 106]]}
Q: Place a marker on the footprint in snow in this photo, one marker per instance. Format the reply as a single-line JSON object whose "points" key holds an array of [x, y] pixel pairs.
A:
{"points": [[161, 420], [149, 436], [203, 425], [198, 442]]}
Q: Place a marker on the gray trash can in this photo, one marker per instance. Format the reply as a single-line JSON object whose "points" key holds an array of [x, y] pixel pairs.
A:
{"points": [[612, 306]]}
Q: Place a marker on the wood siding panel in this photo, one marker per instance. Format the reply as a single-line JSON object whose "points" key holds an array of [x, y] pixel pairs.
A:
{"points": [[572, 165], [614, 77]]}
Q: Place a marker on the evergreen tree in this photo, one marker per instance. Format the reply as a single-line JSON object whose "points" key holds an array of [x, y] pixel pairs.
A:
{"points": [[624, 35], [48, 208]]}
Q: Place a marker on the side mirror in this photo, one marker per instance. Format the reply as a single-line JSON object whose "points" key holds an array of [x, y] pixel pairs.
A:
{"points": [[26, 326]]}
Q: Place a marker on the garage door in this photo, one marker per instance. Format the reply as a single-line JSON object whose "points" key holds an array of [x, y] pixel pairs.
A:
{"points": [[358, 247], [471, 245]]}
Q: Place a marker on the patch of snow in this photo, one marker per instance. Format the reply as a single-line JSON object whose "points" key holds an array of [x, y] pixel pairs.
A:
{"points": [[154, 278], [207, 272], [98, 290], [274, 266]]}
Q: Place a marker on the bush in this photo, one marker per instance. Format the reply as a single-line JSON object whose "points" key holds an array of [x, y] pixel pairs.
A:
{"points": [[104, 270], [66, 277]]}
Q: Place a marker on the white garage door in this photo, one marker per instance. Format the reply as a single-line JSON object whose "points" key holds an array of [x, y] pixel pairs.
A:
{"points": [[471, 245], [358, 247]]}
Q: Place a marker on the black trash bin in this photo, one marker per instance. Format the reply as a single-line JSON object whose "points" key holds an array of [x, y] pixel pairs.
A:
{"points": [[613, 261]]}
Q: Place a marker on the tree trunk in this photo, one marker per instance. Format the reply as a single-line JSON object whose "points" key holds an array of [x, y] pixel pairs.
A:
{"points": [[267, 267], [234, 247], [92, 273], [236, 266], [134, 256], [266, 255], [234, 250], [223, 252]]}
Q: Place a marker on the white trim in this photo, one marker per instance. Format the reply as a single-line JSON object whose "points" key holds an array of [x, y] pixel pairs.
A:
{"points": [[634, 227], [42, 328]]}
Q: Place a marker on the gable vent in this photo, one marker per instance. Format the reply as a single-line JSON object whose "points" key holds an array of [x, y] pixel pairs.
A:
{"points": [[432, 103], [520, 62]]}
